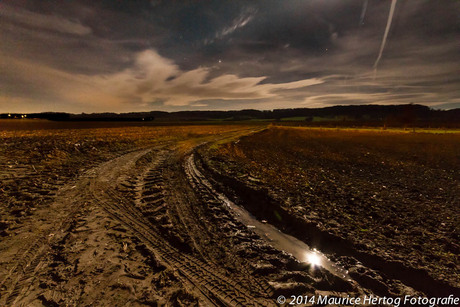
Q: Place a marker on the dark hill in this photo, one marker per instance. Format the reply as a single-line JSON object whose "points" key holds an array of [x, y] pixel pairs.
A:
{"points": [[360, 115]]}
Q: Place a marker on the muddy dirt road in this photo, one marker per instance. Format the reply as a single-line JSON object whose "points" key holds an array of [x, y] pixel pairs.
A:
{"points": [[110, 237]]}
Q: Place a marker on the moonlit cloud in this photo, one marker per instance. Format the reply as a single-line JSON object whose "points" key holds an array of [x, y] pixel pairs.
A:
{"points": [[154, 78], [151, 79]]}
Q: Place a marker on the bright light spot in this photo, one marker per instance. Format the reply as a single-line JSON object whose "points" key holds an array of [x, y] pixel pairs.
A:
{"points": [[314, 259]]}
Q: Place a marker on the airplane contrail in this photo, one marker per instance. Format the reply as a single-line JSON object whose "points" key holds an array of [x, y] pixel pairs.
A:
{"points": [[363, 12], [384, 40]]}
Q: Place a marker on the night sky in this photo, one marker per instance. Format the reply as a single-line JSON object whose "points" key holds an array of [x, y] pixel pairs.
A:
{"points": [[133, 55]]}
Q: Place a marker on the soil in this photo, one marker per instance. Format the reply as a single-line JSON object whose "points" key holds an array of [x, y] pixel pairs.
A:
{"points": [[387, 202], [134, 216]]}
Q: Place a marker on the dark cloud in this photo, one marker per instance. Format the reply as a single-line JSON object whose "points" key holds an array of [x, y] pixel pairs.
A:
{"points": [[142, 55]]}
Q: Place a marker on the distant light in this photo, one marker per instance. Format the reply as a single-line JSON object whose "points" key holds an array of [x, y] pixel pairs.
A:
{"points": [[314, 259], [9, 115], [220, 61]]}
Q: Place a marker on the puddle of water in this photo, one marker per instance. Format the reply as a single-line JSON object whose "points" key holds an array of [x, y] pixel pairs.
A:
{"points": [[275, 237], [281, 241]]}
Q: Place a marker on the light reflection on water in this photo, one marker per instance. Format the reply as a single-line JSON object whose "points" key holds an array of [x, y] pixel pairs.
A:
{"points": [[313, 258], [284, 242], [275, 237]]}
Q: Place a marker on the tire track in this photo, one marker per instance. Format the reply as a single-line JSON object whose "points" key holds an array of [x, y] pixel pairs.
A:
{"points": [[72, 197], [218, 208], [198, 272], [216, 287], [29, 259]]}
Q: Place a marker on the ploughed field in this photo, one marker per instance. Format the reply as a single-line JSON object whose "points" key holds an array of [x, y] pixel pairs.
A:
{"points": [[390, 200], [121, 214]]}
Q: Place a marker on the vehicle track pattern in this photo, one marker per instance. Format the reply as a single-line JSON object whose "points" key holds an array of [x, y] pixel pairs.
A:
{"points": [[69, 202], [216, 287], [240, 234], [19, 276]]}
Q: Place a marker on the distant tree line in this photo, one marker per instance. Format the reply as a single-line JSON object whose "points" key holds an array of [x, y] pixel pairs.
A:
{"points": [[409, 115]]}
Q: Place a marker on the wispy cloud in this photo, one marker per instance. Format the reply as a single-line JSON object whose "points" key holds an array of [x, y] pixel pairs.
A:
{"points": [[26, 86], [43, 22], [239, 22]]}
